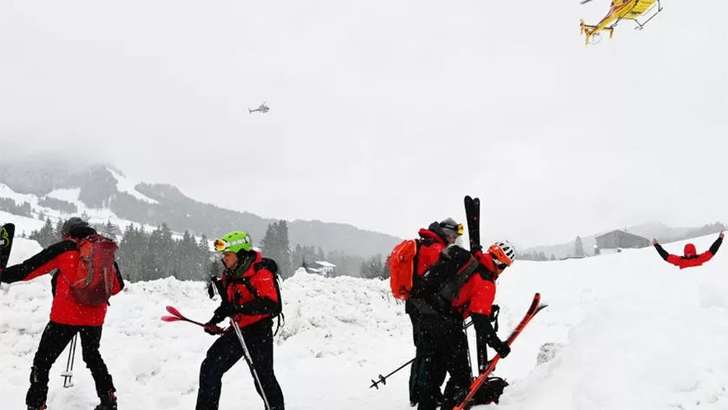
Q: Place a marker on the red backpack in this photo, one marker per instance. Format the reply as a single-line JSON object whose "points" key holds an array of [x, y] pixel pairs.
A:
{"points": [[402, 262], [92, 282]]}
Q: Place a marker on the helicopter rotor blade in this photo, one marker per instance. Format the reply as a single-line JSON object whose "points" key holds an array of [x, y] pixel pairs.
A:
{"points": [[585, 1]]}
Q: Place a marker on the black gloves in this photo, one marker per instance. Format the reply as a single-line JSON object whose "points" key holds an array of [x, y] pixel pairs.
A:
{"points": [[226, 309], [502, 349], [485, 334], [211, 328]]}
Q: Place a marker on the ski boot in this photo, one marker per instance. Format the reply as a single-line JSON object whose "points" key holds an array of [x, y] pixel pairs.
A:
{"points": [[108, 402]]}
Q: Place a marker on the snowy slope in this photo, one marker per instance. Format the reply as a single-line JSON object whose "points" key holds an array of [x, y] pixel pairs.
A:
{"points": [[636, 332], [93, 215]]}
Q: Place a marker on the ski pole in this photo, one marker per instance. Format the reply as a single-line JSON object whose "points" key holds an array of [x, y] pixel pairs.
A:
{"points": [[467, 349], [249, 359], [383, 379], [68, 374]]}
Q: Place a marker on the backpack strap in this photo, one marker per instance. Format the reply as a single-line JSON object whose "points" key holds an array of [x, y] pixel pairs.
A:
{"points": [[272, 267], [415, 261]]}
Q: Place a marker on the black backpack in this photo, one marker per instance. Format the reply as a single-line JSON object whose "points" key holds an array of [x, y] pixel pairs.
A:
{"points": [[441, 283], [461, 267]]}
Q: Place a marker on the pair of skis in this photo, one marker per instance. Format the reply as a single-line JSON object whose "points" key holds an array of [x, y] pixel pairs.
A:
{"points": [[472, 215]]}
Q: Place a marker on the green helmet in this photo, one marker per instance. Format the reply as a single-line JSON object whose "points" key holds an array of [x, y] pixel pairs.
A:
{"points": [[234, 241]]}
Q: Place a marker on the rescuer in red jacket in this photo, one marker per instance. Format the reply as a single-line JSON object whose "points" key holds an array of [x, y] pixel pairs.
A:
{"points": [[68, 316], [432, 243], [250, 297], [690, 257], [459, 285]]}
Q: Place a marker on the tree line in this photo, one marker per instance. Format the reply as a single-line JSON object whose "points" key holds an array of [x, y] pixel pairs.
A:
{"points": [[147, 255], [144, 255]]}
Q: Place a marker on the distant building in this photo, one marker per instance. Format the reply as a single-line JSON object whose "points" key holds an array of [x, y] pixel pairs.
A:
{"points": [[322, 268], [620, 239]]}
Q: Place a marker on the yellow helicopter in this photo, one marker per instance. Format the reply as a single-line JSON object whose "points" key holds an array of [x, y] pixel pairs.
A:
{"points": [[621, 10]]}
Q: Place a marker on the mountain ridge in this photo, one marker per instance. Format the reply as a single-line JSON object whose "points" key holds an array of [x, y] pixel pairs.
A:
{"points": [[102, 186]]}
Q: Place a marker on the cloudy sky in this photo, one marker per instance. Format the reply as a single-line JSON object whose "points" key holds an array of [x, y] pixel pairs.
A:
{"points": [[383, 113]]}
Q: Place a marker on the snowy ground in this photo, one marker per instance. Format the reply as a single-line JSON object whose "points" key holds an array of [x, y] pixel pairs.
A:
{"points": [[634, 333]]}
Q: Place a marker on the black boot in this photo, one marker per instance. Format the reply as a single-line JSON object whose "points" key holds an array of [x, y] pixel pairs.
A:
{"points": [[108, 402]]}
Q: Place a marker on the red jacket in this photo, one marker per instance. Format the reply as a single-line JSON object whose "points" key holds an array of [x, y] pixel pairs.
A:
{"points": [[65, 309], [262, 282], [478, 293], [429, 251], [690, 258]]}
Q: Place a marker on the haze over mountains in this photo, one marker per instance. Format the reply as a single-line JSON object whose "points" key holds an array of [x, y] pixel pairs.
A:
{"points": [[56, 189]]}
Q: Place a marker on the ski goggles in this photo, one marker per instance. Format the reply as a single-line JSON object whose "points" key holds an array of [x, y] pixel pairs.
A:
{"points": [[455, 228], [220, 244]]}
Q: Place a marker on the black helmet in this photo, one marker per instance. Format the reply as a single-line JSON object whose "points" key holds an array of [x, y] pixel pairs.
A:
{"points": [[73, 224]]}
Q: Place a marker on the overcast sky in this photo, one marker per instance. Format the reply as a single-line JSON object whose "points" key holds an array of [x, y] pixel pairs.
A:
{"points": [[384, 114]]}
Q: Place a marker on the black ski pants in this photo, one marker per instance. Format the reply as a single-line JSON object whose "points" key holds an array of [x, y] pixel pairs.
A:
{"points": [[226, 351], [54, 340], [417, 370], [444, 345]]}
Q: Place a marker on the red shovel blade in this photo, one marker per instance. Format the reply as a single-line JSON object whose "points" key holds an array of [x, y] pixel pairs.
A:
{"points": [[174, 311]]}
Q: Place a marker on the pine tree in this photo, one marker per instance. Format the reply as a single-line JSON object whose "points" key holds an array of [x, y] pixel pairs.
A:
{"points": [[46, 235], [275, 245], [578, 247], [374, 267], [185, 251], [131, 249], [59, 227], [284, 250]]}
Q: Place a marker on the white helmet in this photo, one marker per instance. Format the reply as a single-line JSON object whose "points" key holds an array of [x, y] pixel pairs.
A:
{"points": [[503, 251]]}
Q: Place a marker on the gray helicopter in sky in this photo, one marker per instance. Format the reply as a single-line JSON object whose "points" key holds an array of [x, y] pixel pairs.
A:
{"points": [[262, 109]]}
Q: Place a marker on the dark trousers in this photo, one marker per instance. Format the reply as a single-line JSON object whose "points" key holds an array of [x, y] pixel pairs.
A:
{"points": [[226, 351], [444, 346], [417, 369], [54, 340]]}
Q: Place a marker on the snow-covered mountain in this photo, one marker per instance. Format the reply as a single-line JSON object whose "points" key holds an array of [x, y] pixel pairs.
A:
{"points": [[628, 332], [34, 191]]}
